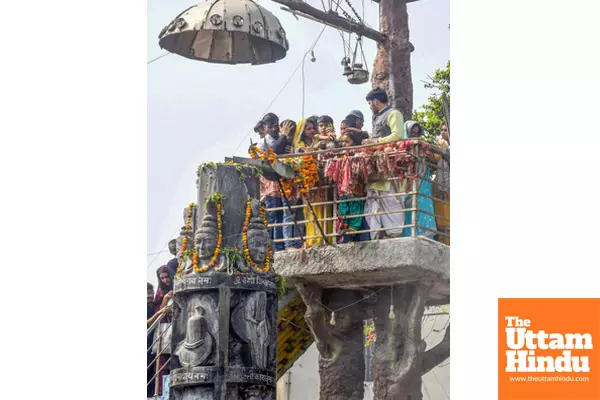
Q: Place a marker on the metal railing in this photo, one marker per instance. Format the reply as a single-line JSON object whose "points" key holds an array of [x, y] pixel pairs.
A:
{"points": [[157, 365], [430, 166]]}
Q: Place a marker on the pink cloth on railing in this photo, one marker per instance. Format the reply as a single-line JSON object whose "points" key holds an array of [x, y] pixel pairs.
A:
{"points": [[393, 160], [269, 188]]}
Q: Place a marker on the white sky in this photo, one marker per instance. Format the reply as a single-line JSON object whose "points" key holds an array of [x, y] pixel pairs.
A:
{"points": [[200, 112]]}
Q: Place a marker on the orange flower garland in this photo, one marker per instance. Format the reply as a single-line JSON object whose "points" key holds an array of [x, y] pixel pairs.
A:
{"points": [[269, 257], [188, 227], [309, 174], [288, 184], [257, 153]]}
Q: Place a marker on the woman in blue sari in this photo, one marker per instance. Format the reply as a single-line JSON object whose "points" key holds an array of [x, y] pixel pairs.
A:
{"points": [[413, 130]]}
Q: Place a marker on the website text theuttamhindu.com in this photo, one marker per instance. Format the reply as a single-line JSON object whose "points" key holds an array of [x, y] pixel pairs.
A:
{"points": [[533, 379]]}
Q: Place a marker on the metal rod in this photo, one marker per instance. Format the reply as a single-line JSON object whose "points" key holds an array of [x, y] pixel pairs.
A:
{"points": [[350, 216], [434, 231], [354, 232], [323, 203]]}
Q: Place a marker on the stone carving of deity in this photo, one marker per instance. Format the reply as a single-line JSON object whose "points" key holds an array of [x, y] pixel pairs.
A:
{"points": [[258, 236], [198, 343], [250, 323], [187, 265], [207, 235]]}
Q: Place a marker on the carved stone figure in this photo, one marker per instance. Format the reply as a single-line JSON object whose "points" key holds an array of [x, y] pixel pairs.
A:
{"points": [[258, 236], [250, 323], [206, 235], [198, 344], [258, 392], [235, 353], [186, 263], [195, 393]]}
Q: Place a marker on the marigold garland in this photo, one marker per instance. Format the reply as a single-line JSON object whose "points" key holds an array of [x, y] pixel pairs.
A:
{"points": [[188, 227], [247, 256], [306, 176], [288, 184], [310, 174], [257, 153]]}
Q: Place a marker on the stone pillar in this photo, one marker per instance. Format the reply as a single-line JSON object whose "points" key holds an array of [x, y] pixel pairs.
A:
{"points": [[225, 304]]}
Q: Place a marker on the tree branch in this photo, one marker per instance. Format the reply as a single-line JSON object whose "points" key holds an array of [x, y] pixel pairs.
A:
{"points": [[436, 355], [316, 318], [332, 19]]}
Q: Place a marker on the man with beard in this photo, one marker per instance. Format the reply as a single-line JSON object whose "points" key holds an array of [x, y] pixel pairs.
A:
{"points": [[388, 126]]}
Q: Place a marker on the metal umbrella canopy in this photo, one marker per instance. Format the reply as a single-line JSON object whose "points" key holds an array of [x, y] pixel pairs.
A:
{"points": [[226, 32]]}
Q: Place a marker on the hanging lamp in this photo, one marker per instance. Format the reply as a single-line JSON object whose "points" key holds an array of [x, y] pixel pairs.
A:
{"points": [[226, 32]]}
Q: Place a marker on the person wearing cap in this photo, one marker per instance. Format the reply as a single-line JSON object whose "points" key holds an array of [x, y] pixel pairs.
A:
{"points": [[358, 119], [388, 126]]}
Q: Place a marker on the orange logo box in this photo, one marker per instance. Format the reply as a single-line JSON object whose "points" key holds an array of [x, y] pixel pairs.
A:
{"points": [[549, 349]]}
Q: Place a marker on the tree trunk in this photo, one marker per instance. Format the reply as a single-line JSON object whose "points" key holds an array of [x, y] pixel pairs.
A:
{"points": [[397, 360], [391, 69], [341, 360]]}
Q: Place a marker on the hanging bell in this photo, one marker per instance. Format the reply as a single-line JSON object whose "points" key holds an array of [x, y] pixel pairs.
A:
{"points": [[392, 314], [332, 320], [312, 56]]}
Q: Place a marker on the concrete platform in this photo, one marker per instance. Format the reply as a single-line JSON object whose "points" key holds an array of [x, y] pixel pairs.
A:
{"points": [[370, 264]]}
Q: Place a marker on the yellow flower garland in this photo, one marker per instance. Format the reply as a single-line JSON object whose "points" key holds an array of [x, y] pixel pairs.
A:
{"points": [[269, 257]]}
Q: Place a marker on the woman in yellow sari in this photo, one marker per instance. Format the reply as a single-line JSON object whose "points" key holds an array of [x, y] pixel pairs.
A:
{"points": [[305, 140]]}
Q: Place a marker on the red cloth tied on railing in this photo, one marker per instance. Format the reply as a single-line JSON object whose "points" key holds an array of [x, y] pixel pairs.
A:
{"points": [[393, 160]]}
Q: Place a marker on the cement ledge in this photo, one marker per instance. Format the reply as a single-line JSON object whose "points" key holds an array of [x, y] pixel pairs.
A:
{"points": [[372, 263]]}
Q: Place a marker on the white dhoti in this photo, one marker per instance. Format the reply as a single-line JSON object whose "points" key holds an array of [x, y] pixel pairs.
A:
{"points": [[385, 204]]}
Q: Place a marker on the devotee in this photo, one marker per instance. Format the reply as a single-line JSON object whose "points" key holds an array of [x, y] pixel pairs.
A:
{"points": [[150, 316], [346, 223], [426, 222], [269, 190], [174, 262], [274, 140], [442, 187], [161, 300], [306, 133], [387, 127], [290, 130], [356, 117], [343, 126], [326, 137]]}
